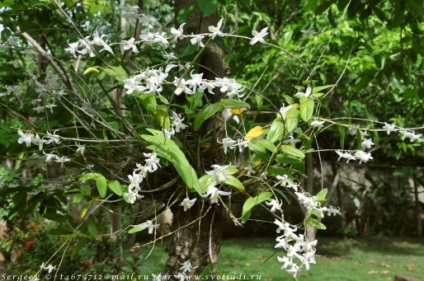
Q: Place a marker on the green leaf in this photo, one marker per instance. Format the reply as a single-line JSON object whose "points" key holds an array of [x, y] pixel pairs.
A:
{"points": [[162, 117], [101, 182], [115, 186], [91, 226], [285, 39], [117, 72], [320, 88], [251, 202], [208, 7], [205, 182], [292, 120], [207, 112], [276, 130], [77, 198], [168, 149], [293, 151], [306, 109], [258, 150], [137, 228], [265, 144], [148, 101], [232, 103], [315, 223], [233, 181], [322, 195]]}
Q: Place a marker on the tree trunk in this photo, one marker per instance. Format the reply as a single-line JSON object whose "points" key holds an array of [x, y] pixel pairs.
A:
{"points": [[197, 232], [197, 240]]}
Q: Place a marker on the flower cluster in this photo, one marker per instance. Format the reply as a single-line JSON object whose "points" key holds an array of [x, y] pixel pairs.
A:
{"points": [[300, 251], [177, 125], [284, 180], [360, 155], [139, 174], [229, 143], [313, 206], [86, 46], [219, 174]]}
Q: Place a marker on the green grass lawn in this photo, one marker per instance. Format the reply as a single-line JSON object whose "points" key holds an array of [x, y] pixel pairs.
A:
{"points": [[374, 259]]}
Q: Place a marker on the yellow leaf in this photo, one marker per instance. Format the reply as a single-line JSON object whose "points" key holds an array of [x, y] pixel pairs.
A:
{"points": [[238, 111], [91, 70], [254, 133]]}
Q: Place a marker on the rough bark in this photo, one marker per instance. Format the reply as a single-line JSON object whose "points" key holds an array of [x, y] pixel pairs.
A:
{"points": [[197, 232]]}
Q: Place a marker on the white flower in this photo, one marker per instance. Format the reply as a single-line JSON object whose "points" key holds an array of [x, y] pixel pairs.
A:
{"points": [[135, 180], [73, 48], [286, 181], [216, 30], [50, 106], [39, 141], [363, 156], [86, 48], [132, 85], [129, 44], [1, 29], [98, 40], [39, 108], [317, 124], [411, 135], [52, 138], [219, 172], [227, 143], [62, 159], [186, 267], [214, 194], [242, 144], [49, 268], [152, 161], [345, 155], [80, 149], [132, 196], [284, 110], [229, 86], [389, 128], [177, 122], [169, 56], [197, 39], [25, 138], [188, 203], [178, 33], [169, 133], [227, 114], [367, 144], [274, 204], [151, 226], [258, 36], [310, 203], [304, 95], [181, 87], [195, 81], [50, 157]]}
